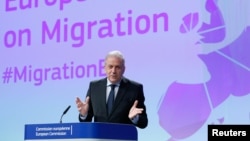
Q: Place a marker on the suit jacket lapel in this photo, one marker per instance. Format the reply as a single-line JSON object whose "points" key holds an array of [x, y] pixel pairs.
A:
{"points": [[102, 93]]}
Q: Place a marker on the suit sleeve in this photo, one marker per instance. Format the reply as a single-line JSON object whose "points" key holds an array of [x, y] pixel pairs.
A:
{"points": [[143, 119]]}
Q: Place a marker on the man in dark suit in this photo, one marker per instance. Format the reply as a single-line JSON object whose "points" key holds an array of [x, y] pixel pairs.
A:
{"points": [[128, 106]]}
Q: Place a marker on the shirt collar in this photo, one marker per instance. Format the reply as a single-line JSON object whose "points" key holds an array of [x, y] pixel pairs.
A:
{"points": [[109, 83]]}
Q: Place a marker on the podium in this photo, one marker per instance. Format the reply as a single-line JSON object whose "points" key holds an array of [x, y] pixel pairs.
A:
{"points": [[82, 131]]}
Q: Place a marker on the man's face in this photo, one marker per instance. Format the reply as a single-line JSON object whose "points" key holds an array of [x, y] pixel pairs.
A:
{"points": [[114, 69]]}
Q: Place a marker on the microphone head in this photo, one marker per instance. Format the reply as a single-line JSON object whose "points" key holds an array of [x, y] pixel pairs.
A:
{"points": [[66, 110]]}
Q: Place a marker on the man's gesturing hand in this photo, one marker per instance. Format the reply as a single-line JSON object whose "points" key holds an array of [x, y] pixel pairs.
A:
{"points": [[134, 111], [82, 107]]}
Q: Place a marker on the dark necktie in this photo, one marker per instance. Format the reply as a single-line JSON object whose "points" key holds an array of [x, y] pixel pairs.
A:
{"points": [[111, 98]]}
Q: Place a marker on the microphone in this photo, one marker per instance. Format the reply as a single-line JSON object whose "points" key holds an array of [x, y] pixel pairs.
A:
{"points": [[65, 111]]}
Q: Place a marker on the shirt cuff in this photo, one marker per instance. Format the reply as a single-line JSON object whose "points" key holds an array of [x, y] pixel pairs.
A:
{"points": [[83, 117], [135, 119]]}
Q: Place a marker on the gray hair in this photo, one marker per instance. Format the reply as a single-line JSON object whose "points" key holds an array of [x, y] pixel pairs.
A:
{"points": [[116, 53]]}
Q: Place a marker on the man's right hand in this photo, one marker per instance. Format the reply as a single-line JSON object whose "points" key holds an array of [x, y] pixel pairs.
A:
{"points": [[82, 107]]}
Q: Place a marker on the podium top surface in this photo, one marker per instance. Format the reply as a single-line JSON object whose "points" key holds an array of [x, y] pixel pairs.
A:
{"points": [[81, 130]]}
